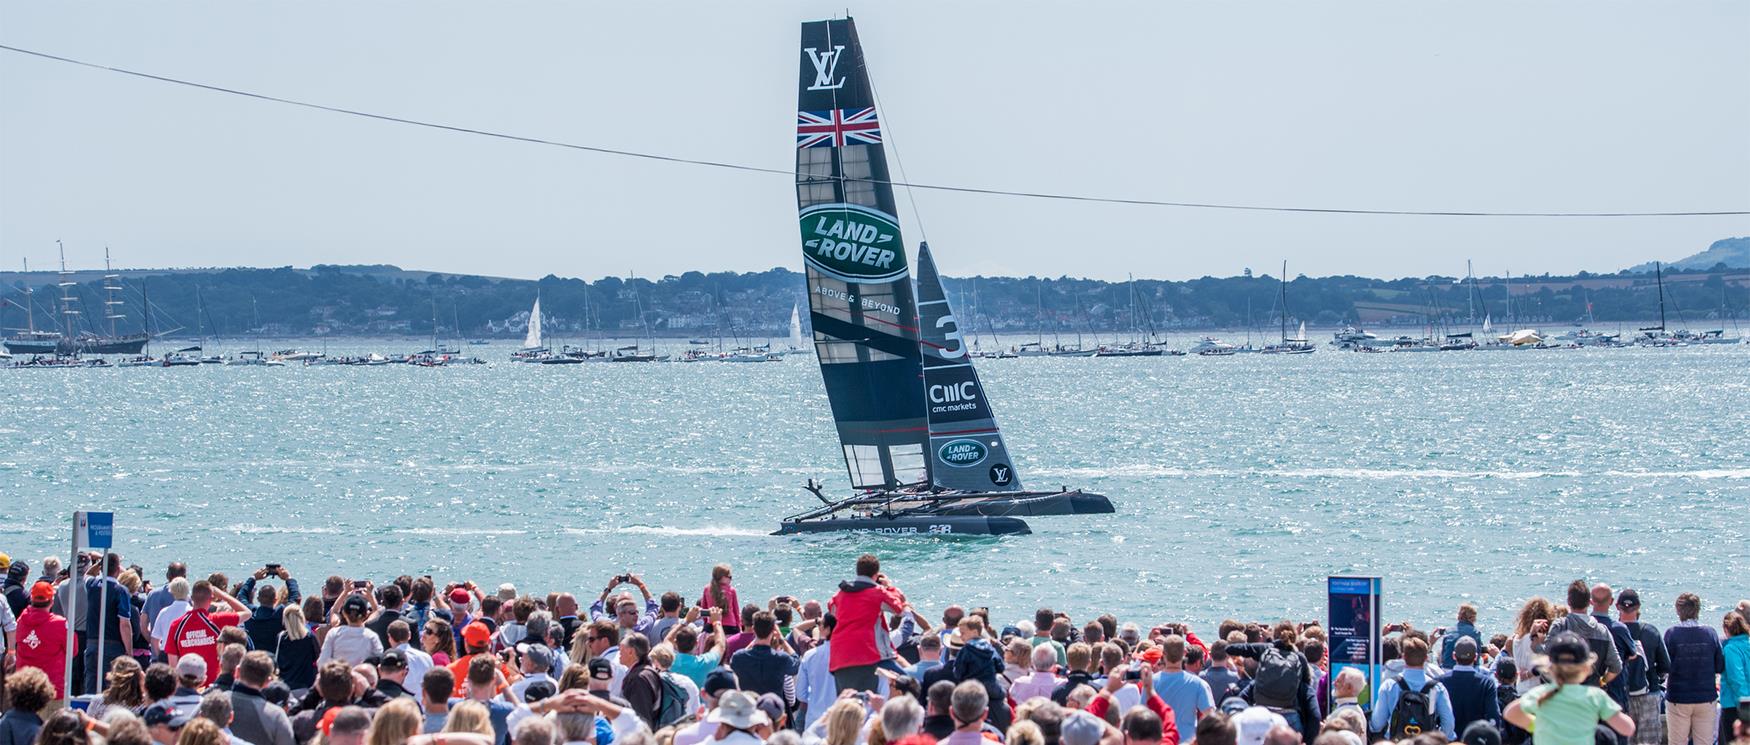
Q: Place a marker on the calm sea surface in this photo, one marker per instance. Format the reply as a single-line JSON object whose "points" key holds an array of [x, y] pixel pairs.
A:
{"points": [[1240, 482]]}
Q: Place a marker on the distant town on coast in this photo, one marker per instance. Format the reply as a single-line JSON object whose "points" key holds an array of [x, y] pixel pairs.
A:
{"points": [[384, 300]]}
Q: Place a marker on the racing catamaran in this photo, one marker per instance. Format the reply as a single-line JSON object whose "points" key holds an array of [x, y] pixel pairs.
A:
{"points": [[920, 442]]}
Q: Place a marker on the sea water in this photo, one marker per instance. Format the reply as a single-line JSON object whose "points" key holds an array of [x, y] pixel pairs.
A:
{"points": [[1240, 482]]}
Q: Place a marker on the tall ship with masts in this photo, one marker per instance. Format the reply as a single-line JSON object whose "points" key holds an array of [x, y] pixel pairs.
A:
{"points": [[74, 336], [919, 440]]}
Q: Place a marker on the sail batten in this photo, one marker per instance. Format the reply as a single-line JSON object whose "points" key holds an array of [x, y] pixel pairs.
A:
{"points": [[860, 302]]}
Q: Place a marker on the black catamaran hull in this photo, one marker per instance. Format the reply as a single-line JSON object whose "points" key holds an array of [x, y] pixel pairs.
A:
{"points": [[925, 525], [1033, 504]]}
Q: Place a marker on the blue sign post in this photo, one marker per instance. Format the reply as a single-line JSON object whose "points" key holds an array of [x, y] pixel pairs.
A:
{"points": [[1354, 628], [90, 530]]}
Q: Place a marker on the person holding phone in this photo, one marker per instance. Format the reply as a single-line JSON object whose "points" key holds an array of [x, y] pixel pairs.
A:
{"points": [[265, 618], [349, 641]]}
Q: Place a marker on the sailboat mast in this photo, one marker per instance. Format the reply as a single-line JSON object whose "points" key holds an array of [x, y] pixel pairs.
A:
{"points": [[109, 298], [1470, 308], [1283, 301], [1659, 277], [29, 301], [66, 284]]}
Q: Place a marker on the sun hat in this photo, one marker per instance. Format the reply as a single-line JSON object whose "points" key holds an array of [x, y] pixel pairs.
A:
{"points": [[737, 709]]}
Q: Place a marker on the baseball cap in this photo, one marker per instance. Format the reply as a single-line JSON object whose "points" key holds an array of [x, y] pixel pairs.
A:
{"points": [[1567, 648], [460, 596], [601, 668], [542, 656], [42, 592], [476, 634], [771, 705], [1152, 656], [720, 679], [507, 591], [1233, 705], [393, 659], [162, 713], [1628, 600], [1010, 630], [539, 690], [1081, 728], [355, 604], [5, 562], [191, 666]]}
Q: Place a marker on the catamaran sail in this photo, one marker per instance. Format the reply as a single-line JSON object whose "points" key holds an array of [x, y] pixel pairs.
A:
{"points": [[859, 287], [532, 340], [966, 449]]}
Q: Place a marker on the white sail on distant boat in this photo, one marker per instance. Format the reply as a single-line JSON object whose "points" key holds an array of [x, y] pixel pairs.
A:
{"points": [[533, 339], [796, 328]]}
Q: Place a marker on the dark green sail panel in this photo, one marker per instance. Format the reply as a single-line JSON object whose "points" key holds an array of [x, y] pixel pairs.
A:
{"points": [[966, 447], [859, 284]]}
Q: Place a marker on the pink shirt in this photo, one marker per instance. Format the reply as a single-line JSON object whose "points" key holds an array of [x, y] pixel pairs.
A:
{"points": [[731, 606], [1039, 684]]}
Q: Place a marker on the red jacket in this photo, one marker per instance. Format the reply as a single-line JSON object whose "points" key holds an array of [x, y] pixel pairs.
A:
{"points": [[1169, 724], [861, 637], [42, 644]]}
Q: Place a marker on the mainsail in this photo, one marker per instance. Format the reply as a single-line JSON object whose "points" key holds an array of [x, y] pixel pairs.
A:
{"points": [[533, 339], [859, 287], [795, 328], [966, 449]]}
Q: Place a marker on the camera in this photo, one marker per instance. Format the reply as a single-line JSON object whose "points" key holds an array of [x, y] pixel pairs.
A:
{"points": [[1134, 672], [273, 568]]}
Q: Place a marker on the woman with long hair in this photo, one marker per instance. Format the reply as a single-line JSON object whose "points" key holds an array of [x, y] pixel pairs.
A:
{"points": [[1529, 628], [395, 723], [721, 594], [1566, 711], [844, 722], [470, 716], [438, 640], [127, 688], [295, 650]]}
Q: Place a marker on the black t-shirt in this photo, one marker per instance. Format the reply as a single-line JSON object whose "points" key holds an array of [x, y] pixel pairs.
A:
{"points": [[380, 625]]}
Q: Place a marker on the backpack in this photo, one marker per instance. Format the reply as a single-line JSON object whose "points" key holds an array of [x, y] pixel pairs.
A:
{"points": [[672, 705], [1414, 712], [1277, 682]]}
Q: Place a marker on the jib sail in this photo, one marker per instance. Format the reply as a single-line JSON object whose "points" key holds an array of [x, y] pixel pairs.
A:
{"points": [[859, 287], [966, 448]]}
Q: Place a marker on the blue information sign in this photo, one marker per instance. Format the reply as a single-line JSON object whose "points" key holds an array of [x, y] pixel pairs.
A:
{"points": [[95, 530], [1355, 629]]}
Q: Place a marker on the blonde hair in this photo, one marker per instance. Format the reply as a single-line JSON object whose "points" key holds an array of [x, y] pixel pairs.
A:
{"points": [[844, 722], [1535, 609], [662, 655], [130, 580], [179, 588], [1025, 732], [293, 619], [201, 731], [394, 723], [468, 716]]}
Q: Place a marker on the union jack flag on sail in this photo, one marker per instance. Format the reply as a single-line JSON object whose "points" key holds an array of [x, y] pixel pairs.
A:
{"points": [[837, 128]]}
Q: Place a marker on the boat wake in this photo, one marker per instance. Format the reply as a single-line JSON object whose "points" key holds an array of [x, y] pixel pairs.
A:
{"points": [[670, 530], [1383, 474]]}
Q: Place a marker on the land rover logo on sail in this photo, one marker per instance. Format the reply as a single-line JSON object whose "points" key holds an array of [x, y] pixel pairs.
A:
{"points": [[962, 453], [852, 243]]}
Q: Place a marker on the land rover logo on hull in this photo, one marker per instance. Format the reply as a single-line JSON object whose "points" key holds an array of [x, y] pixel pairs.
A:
{"points": [[962, 453], [852, 243]]}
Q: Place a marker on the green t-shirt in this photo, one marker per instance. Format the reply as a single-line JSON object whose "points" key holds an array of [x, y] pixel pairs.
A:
{"points": [[1570, 717], [1062, 656]]}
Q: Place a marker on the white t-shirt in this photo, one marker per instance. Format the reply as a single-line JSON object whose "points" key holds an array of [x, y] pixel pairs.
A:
{"points": [[167, 617]]}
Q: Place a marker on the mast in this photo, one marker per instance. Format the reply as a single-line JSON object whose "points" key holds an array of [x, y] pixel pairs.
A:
{"points": [[434, 326], [860, 296], [66, 283], [1508, 283], [1659, 276], [29, 302], [110, 288], [1470, 308], [1283, 301]]}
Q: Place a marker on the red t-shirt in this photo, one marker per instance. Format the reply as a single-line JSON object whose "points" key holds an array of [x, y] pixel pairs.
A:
{"points": [[197, 633], [42, 644]]}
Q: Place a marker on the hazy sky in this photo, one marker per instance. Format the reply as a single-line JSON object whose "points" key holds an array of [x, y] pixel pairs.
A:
{"points": [[1476, 105]]}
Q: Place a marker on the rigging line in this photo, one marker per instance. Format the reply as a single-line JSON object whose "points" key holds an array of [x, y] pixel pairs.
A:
{"points": [[932, 187], [893, 142]]}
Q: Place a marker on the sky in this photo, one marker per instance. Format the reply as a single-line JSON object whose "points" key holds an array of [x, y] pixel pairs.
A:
{"points": [[1493, 105]]}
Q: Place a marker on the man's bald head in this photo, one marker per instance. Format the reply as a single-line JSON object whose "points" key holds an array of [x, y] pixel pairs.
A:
{"points": [[1602, 596]]}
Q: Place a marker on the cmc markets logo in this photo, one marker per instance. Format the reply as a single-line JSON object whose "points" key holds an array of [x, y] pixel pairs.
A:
{"points": [[962, 453], [852, 243]]}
